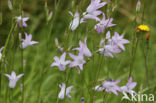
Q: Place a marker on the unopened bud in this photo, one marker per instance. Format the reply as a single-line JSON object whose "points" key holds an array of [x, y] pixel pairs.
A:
{"points": [[148, 36], [10, 5], [137, 30], [138, 6]]}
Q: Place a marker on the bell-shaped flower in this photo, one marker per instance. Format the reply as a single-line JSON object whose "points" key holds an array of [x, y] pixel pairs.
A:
{"points": [[65, 91], [78, 60], [83, 48], [60, 62], [119, 40], [94, 5], [92, 12], [108, 47], [1, 52], [129, 86], [27, 41], [75, 22], [103, 24], [109, 86], [22, 21], [13, 79]]}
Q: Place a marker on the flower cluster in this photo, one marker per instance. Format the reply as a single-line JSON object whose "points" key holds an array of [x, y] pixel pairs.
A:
{"points": [[111, 86], [112, 45]]}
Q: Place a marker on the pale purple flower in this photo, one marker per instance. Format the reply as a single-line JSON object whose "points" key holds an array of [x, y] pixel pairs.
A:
{"points": [[129, 86], [103, 24], [60, 62], [13, 79], [119, 40], [1, 52], [27, 41], [109, 86], [62, 93], [22, 20], [108, 47], [78, 60], [111, 45], [83, 48], [92, 12], [94, 5], [75, 22]]}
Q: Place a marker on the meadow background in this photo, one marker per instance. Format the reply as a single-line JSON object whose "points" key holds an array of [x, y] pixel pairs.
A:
{"points": [[41, 81]]}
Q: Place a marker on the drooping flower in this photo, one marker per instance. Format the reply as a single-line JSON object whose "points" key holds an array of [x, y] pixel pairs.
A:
{"points": [[118, 40], [13, 79], [22, 20], [83, 48], [109, 86], [1, 52], [75, 22], [92, 12], [103, 24], [27, 41], [78, 60], [129, 86], [62, 93], [60, 62]]}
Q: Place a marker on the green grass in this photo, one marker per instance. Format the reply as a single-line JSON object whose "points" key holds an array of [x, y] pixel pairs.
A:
{"points": [[41, 81]]}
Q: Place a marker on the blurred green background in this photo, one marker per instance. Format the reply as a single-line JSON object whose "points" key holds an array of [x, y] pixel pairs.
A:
{"points": [[41, 81]]}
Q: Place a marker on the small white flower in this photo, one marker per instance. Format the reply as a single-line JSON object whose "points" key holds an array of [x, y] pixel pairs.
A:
{"points": [[13, 79], [63, 90], [27, 41]]}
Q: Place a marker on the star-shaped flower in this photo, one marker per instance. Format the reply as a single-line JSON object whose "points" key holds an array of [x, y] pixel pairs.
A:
{"points": [[22, 20], [92, 12], [129, 86], [119, 40], [60, 62], [83, 48], [13, 79], [78, 60], [63, 90], [27, 41], [103, 24], [75, 22]]}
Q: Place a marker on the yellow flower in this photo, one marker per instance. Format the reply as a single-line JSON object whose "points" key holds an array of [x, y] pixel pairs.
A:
{"points": [[143, 28]]}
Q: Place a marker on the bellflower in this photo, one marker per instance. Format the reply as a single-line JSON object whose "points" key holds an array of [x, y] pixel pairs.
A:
{"points": [[129, 86], [75, 22], [1, 52], [108, 47], [83, 48], [22, 20], [63, 90], [119, 40], [103, 24], [60, 62], [27, 41], [13, 79], [92, 12], [78, 60], [109, 86]]}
